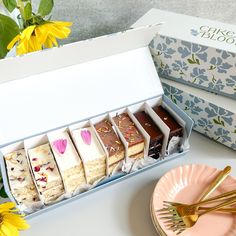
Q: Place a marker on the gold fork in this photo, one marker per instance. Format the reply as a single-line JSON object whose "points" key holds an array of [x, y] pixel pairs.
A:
{"points": [[180, 223], [177, 210]]}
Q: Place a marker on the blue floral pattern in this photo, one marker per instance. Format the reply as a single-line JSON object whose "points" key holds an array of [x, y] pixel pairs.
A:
{"points": [[198, 75], [180, 66], [209, 68], [219, 64], [209, 119]]}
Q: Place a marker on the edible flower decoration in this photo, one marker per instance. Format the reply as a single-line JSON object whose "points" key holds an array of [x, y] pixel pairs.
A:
{"points": [[60, 145], [86, 136]]}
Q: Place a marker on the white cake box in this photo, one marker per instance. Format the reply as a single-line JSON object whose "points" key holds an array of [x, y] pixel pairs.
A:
{"points": [[59, 88], [194, 51]]}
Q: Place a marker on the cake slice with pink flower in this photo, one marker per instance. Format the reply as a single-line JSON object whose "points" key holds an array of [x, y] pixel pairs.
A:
{"points": [[46, 173], [91, 152], [68, 161]]}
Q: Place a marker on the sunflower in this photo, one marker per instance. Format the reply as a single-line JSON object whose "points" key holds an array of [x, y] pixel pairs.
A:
{"points": [[37, 37], [10, 220]]}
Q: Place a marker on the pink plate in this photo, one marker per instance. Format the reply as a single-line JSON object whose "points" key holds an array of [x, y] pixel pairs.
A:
{"points": [[185, 184]]}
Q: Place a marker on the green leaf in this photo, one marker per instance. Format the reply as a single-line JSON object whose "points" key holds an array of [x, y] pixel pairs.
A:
{"points": [[8, 30], [10, 4], [234, 132], [191, 61], [45, 7], [3, 193], [198, 62], [28, 11], [216, 122], [223, 123]]}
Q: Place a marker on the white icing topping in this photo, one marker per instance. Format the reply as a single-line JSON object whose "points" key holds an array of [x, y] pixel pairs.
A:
{"points": [[88, 151]]}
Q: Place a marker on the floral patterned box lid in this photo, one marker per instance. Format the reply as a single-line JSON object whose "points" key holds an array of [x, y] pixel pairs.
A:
{"points": [[194, 51]]}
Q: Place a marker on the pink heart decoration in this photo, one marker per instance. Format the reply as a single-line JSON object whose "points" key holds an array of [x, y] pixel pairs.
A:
{"points": [[60, 145], [86, 136]]}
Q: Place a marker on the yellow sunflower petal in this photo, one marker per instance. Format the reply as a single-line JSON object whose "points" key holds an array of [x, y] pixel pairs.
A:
{"points": [[48, 43], [13, 42], [60, 33], [63, 23], [51, 40], [28, 32], [35, 44], [41, 34], [9, 230], [23, 47], [16, 220], [8, 206]]}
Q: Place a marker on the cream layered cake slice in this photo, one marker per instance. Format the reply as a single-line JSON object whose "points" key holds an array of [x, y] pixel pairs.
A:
{"points": [[131, 134], [46, 173], [91, 152], [68, 161], [113, 144], [20, 179]]}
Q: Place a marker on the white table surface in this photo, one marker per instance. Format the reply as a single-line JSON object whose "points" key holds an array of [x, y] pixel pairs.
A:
{"points": [[123, 208]]}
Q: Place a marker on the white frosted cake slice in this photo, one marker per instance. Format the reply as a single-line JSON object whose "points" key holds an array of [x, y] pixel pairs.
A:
{"points": [[68, 161], [46, 173], [91, 152], [20, 179]]}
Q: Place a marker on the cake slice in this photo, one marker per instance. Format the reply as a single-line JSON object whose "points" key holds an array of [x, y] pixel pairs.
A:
{"points": [[156, 136], [20, 179], [91, 152], [175, 128], [68, 161], [46, 173], [131, 134], [113, 144]]}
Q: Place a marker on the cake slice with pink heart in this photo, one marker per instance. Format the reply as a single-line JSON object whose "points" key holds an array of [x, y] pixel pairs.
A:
{"points": [[68, 160], [91, 152]]}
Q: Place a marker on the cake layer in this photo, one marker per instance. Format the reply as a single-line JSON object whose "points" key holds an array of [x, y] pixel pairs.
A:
{"points": [[67, 159], [74, 178], [91, 151], [156, 136], [138, 155], [175, 128], [20, 179], [133, 150], [46, 173], [95, 170], [116, 158], [111, 141]]}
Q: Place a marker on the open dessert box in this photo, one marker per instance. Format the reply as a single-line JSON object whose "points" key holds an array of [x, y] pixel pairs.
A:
{"points": [[62, 88]]}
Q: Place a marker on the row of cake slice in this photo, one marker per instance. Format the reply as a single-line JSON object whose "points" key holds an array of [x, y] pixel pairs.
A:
{"points": [[58, 167]]}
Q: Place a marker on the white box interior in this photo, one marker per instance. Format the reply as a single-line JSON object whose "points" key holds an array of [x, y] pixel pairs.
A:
{"points": [[52, 99]]}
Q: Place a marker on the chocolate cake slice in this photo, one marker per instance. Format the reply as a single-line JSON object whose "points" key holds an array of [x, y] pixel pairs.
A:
{"points": [[112, 142], [175, 128], [156, 136], [131, 134]]}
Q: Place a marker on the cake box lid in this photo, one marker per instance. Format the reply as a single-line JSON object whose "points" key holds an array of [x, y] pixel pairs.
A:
{"points": [[213, 34], [45, 90]]}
